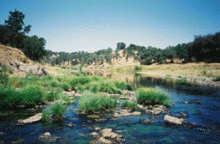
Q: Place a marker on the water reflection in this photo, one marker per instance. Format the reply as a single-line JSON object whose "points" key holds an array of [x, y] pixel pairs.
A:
{"points": [[142, 80]]}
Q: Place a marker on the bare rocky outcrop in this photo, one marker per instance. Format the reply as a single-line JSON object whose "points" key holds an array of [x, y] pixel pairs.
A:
{"points": [[20, 64]]}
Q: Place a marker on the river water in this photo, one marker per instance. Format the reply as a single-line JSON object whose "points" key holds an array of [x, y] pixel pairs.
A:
{"points": [[204, 112]]}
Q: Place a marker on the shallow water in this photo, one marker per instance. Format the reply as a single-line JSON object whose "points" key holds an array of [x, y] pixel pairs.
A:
{"points": [[205, 116]]}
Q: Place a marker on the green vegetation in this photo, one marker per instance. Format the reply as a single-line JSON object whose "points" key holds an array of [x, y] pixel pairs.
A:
{"points": [[205, 73], [152, 96], [137, 68], [13, 33], [4, 75], [216, 79], [168, 75], [129, 104], [91, 103]]}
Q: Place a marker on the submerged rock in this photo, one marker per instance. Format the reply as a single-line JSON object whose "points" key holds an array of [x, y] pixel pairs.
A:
{"points": [[32, 119], [46, 137], [71, 124], [93, 116], [183, 114]]}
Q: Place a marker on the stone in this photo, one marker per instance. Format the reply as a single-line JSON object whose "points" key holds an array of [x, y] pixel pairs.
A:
{"points": [[136, 113], [94, 134], [20, 106], [186, 102], [173, 120], [68, 93], [199, 103], [1, 133], [140, 106], [77, 95], [97, 128], [183, 114], [105, 131], [71, 124], [32, 119], [146, 121], [103, 140], [93, 116]]}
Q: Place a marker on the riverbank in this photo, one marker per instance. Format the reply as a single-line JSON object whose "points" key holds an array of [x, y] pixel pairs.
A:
{"points": [[199, 73]]}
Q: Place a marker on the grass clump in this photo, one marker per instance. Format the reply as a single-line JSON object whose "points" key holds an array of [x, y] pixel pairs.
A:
{"points": [[65, 86], [58, 109], [137, 68], [90, 102], [54, 84], [152, 96], [93, 86], [216, 79], [109, 87], [46, 114], [123, 85], [129, 104]]}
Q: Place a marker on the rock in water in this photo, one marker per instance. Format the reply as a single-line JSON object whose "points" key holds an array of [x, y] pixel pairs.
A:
{"points": [[32, 119], [172, 120]]}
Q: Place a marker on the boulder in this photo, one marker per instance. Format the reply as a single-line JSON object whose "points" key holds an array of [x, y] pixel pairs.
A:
{"points": [[20, 64], [32, 119], [173, 120]]}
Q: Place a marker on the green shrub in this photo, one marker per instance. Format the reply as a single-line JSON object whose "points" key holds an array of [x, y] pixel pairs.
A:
{"points": [[66, 87], [152, 96], [90, 102], [63, 67], [179, 77]]}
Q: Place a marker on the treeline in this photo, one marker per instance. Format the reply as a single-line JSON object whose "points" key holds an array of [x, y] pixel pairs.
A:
{"points": [[202, 49], [13, 33]]}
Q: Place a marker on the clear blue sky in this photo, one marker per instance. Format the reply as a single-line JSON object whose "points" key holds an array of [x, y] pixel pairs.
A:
{"points": [[91, 25]]}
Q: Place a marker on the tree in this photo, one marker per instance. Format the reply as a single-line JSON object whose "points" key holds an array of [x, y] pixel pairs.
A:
{"points": [[4, 34], [15, 25], [121, 46], [34, 47]]}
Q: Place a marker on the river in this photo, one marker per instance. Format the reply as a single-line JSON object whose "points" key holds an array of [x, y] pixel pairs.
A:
{"points": [[202, 110]]}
